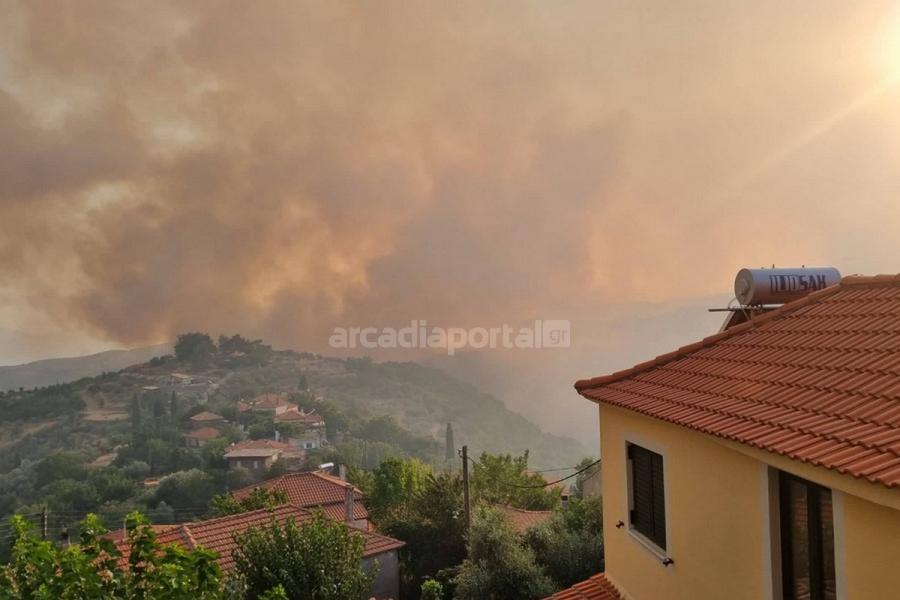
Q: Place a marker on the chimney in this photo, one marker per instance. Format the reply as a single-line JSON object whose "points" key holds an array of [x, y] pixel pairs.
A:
{"points": [[348, 504], [342, 472]]}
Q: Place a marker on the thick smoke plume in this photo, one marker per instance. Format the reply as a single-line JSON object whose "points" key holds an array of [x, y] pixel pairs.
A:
{"points": [[281, 168]]}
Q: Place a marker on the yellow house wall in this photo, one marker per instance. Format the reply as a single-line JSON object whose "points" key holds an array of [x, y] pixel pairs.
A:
{"points": [[713, 514], [872, 548], [720, 519]]}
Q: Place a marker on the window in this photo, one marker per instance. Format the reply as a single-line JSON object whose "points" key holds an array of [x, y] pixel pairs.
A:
{"points": [[647, 514], [255, 464], [807, 540]]}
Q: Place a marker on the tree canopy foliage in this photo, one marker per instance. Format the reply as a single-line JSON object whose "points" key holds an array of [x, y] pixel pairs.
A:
{"points": [[317, 559], [569, 545], [259, 498], [40, 571], [195, 348], [505, 479], [406, 500], [499, 566]]}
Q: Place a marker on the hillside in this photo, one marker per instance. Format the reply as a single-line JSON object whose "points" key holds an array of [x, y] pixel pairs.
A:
{"points": [[421, 399], [61, 370]]}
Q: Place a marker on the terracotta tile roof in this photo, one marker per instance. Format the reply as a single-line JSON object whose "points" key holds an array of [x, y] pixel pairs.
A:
{"points": [[257, 449], [260, 445], [336, 511], [312, 489], [120, 535], [595, 588], [206, 416], [254, 453], [523, 519], [270, 401], [217, 534], [817, 380], [204, 433], [295, 416]]}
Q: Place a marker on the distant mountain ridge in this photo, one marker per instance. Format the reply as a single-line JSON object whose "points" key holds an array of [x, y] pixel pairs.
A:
{"points": [[61, 370]]}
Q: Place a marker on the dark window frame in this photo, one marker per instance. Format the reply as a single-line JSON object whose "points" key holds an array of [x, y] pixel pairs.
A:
{"points": [[647, 494], [815, 540]]}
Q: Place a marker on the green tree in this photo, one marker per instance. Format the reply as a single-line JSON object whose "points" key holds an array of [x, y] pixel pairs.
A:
{"points": [[432, 590], [437, 514], [90, 569], [317, 559], [186, 489], [449, 448], [226, 504], [195, 348], [136, 418], [61, 465], [588, 468], [159, 408], [504, 479], [71, 496], [235, 343], [238, 478], [569, 545], [111, 484], [395, 484], [499, 567]]}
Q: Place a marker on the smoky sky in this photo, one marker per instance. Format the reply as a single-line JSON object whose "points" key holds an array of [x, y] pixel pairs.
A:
{"points": [[280, 168]]}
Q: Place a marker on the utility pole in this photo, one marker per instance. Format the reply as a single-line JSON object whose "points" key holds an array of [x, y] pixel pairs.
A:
{"points": [[468, 508], [45, 518]]}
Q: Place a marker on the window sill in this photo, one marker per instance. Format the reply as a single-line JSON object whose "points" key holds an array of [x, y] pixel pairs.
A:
{"points": [[647, 544]]}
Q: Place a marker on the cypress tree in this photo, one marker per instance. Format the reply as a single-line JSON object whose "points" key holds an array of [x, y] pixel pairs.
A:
{"points": [[136, 413], [450, 451]]}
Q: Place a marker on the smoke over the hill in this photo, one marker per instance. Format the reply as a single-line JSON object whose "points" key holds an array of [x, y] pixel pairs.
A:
{"points": [[280, 168]]}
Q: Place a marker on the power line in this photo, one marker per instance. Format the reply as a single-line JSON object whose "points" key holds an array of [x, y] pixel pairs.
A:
{"points": [[545, 485]]}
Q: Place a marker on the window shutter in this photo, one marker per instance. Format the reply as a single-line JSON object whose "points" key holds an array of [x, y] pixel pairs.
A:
{"points": [[643, 491], [659, 500], [648, 494]]}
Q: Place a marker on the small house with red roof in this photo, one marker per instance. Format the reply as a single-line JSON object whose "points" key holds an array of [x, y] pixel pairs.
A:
{"points": [[762, 462], [336, 497], [266, 404], [199, 437], [257, 456], [218, 535], [207, 419]]}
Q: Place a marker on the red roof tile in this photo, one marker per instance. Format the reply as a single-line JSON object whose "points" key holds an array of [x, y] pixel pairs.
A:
{"points": [[260, 445], [523, 519], [817, 380], [295, 416], [204, 433], [595, 588], [217, 534], [206, 416], [312, 489], [270, 401]]}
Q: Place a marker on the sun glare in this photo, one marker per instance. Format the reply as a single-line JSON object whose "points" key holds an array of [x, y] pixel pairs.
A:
{"points": [[889, 48]]}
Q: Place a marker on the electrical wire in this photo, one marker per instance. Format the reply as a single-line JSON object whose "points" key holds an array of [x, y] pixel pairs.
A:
{"points": [[534, 487]]}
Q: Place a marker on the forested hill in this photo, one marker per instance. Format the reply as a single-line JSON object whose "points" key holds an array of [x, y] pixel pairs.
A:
{"points": [[421, 399]]}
